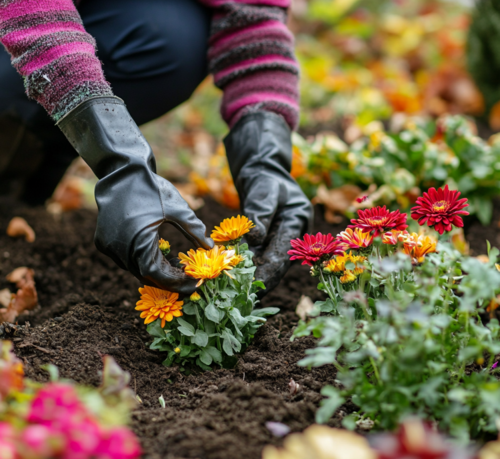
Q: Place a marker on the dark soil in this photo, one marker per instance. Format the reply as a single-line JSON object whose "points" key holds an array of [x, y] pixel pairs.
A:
{"points": [[87, 310]]}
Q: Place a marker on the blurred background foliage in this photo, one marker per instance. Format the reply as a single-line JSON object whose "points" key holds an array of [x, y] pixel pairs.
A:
{"points": [[370, 69]]}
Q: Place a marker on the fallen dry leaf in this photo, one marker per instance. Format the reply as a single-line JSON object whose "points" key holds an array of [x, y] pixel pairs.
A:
{"points": [[26, 297], [18, 227], [5, 297], [494, 118], [188, 192], [304, 307], [336, 201]]}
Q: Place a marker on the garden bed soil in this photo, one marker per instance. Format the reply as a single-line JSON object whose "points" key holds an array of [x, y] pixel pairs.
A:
{"points": [[87, 310]]}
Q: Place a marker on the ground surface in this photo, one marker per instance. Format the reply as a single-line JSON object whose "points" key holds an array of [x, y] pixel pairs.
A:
{"points": [[87, 310]]}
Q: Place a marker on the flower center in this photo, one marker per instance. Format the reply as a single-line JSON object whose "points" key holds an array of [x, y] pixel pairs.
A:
{"points": [[162, 303], [317, 247], [377, 221], [440, 206]]}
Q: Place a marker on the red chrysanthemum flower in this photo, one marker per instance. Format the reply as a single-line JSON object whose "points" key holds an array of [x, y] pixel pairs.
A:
{"points": [[355, 239], [314, 248], [440, 209], [379, 220]]}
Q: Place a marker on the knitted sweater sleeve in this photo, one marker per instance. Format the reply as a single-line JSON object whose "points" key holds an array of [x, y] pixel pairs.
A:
{"points": [[251, 55], [51, 50]]}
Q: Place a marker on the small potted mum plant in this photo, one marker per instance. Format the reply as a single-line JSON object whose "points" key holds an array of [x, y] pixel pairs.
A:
{"points": [[219, 320]]}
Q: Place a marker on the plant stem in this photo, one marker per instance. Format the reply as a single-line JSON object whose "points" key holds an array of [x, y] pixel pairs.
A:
{"points": [[375, 369]]}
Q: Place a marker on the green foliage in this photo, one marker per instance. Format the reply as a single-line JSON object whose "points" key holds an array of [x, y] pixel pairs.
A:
{"points": [[401, 164], [413, 341], [483, 49], [219, 325]]}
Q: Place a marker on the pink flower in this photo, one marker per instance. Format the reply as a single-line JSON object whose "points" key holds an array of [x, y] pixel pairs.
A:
{"points": [[41, 441], [6, 432], [314, 248], [8, 450], [82, 439], [119, 443], [378, 220], [56, 405], [441, 209]]}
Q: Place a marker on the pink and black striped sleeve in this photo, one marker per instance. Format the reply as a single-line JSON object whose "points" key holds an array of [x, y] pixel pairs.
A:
{"points": [[251, 55], [53, 53]]}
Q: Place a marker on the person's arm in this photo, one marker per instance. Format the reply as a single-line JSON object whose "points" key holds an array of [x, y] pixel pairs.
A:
{"points": [[251, 56], [56, 57]]}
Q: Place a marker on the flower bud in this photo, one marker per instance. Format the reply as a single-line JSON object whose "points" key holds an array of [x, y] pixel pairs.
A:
{"points": [[195, 297], [177, 350], [164, 246]]}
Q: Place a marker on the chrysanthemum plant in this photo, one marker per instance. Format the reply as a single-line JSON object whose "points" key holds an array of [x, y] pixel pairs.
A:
{"points": [[219, 320], [407, 325]]}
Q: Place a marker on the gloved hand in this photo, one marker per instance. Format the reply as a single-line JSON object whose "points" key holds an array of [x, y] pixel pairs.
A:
{"points": [[133, 201], [259, 152]]}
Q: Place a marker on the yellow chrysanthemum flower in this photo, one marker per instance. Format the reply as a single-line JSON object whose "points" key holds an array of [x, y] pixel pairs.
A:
{"points": [[232, 229], [348, 277], [236, 260], [158, 304], [337, 264], [164, 246], [195, 297], [207, 264]]}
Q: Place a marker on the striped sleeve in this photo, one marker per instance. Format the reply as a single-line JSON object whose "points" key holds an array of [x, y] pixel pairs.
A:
{"points": [[51, 50], [251, 55]]}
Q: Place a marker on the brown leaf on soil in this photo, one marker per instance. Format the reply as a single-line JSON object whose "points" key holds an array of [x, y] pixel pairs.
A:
{"points": [[26, 297], [18, 227], [336, 201], [304, 307]]}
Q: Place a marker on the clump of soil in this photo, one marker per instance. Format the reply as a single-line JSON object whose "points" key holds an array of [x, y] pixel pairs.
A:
{"points": [[87, 310]]}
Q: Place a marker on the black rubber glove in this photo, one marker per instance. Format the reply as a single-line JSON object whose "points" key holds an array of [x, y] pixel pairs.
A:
{"points": [[259, 151], [133, 201]]}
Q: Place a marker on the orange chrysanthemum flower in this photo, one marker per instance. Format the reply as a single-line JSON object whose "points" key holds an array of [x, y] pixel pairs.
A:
{"points": [[158, 304], [207, 264], [417, 247], [232, 229]]}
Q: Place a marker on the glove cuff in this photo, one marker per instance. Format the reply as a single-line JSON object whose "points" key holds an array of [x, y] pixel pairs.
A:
{"points": [[261, 137], [104, 134]]}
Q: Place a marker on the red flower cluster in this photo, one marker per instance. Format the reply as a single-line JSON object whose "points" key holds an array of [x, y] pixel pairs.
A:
{"points": [[440, 208], [314, 248], [379, 220]]}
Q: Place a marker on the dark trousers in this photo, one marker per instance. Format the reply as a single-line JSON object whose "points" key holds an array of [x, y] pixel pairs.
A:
{"points": [[154, 56]]}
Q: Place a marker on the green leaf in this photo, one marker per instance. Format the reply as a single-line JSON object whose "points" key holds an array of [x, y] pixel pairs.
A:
{"points": [[189, 309], [185, 331], [265, 312], [154, 329], [238, 320], [202, 365], [185, 350], [185, 327], [230, 343], [259, 284], [205, 357], [201, 339], [329, 405], [213, 314], [215, 353]]}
